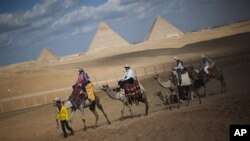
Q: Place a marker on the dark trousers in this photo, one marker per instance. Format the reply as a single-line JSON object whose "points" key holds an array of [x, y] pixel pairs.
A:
{"points": [[64, 123], [130, 81], [179, 75], [122, 82]]}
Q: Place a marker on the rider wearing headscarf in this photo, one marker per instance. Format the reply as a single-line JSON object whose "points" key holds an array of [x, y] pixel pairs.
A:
{"points": [[83, 78], [84, 82]]}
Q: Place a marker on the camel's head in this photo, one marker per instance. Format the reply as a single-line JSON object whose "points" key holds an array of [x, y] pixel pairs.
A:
{"points": [[156, 76], [104, 87]]}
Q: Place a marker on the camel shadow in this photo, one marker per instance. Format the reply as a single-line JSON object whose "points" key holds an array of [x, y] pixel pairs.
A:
{"points": [[91, 127], [129, 117]]}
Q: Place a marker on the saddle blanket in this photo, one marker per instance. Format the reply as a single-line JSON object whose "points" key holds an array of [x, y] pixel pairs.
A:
{"points": [[90, 91]]}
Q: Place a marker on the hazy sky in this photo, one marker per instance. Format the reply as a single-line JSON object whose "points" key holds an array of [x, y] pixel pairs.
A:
{"points": [[68, 26]]}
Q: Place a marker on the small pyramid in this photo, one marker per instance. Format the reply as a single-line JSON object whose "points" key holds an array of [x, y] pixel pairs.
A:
{"points": [[46, 56], [162, 29], [105, 37]]}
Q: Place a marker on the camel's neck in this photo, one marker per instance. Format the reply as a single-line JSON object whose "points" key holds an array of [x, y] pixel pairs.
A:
{"points": [[112, 94], [163, 84]]}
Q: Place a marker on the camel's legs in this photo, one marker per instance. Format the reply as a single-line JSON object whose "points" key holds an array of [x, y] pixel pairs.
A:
{"points": [[92, 108], [122, 111], [168, 101], [71, 115], [145, 101], [178, 99], [130, 110], [83, 117], [125, 104], [99, 105], [198, 95]]}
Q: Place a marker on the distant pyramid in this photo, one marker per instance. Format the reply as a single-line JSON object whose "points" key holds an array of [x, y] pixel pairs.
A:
{"points": [[162, 29], [105, 37], [46, 56]]}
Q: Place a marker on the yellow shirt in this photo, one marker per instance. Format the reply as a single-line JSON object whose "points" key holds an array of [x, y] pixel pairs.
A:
{"points": [[62, 114]]}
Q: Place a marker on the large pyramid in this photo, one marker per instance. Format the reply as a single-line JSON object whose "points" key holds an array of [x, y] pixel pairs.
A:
{"points": [[162, 29], [105, 37], [46, 56]]}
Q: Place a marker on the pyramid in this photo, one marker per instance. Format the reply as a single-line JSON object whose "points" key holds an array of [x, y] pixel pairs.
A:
{"points": [[46, 56], [161, 29], [105, 37]]}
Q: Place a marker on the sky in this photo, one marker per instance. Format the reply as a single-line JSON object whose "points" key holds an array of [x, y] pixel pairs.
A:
{"points": [[68, 26]]}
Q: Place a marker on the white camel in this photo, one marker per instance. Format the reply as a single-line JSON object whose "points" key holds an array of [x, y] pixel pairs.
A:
{"points": [[120, 95]]}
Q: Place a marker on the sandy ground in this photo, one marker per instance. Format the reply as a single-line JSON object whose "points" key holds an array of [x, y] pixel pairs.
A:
{"points": [[208, 121]]}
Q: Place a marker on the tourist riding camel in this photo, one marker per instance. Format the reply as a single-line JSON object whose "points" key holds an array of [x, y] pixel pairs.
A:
{"points": [[128, 77], [83, 83], [206, 64], [63, 117], [131, 86], [179, 68]]}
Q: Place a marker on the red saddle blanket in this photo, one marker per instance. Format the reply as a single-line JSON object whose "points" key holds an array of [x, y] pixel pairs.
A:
{"points": [[133, 92]]}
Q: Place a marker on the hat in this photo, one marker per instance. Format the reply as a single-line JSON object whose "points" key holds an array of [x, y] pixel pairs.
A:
{"points": [[176, 58], [203, 56], [126, 66]]}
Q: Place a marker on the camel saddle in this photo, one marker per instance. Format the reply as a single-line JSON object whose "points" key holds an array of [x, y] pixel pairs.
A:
{"points": [[76, 98], [133, 92]]}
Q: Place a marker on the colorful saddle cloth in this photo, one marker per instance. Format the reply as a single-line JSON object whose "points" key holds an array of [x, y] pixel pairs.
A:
{"points": [[133, 92]]}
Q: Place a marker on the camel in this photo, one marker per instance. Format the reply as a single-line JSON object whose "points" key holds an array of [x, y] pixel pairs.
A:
{"points": [[198, 81], [120, 95], [85, 103], [216, 74], [174, 89], [171, 90]]}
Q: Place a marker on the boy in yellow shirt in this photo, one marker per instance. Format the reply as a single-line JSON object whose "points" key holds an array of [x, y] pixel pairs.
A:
{"points": [[62, 116]]}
